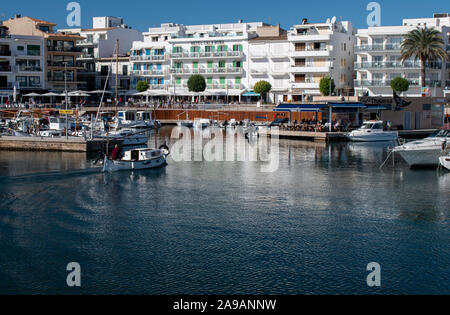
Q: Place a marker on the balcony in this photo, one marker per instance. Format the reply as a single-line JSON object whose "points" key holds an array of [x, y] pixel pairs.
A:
{"points": [[224, 86], [86, 56], [258, 55], [396, 65], [86, 43], [29, 69], [306, 84], [278, 72], [8, 85], [278, 55], [64, 64], [27, 85], [258, 72], [310, 52], [65, 49], [309, 37], [209, 55], [229, 70], [309, 68], [5, 68], [5, 53], [149, 58], [387, 83], [378, 48], [149, 72]]}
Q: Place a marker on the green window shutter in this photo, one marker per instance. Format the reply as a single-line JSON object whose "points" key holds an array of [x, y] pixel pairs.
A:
{"points": [[234, 64], [210, 81], [195, 65], [174, 50], [238, 80], [210, 64], [222, 80], [225, 48], [192, 49], [241, 48], [178, 81]]}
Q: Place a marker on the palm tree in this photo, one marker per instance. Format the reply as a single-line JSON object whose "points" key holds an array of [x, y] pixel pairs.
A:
{"points": [[424, 44]]}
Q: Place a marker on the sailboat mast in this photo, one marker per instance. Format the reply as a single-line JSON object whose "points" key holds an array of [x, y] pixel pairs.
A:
{"points": [[117, 72]]}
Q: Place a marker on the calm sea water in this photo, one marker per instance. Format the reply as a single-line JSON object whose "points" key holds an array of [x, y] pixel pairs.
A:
{"points": [[225, 228]]}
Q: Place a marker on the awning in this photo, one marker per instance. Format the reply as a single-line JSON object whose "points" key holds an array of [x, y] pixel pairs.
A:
{"points": [[379, 107], [299, 107], [347, 105], [251, 93]]}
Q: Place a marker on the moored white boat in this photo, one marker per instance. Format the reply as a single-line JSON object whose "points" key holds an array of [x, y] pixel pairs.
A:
{"points": [[129, 137], [424, 152], [138, 159], [372, 131], [444, 161]]}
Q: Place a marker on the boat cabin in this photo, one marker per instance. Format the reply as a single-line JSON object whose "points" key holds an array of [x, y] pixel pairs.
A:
{"points": [[141, 155], [128, 115], [375, 125], [59, 123], [144, 116]]}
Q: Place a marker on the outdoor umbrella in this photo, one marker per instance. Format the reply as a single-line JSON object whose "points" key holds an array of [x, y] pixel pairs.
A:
{"points": [[32, 95]]}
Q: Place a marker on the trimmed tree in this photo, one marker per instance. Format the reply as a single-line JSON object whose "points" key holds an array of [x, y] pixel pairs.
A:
{"points": [[196, 83], [262, 87], [142, 86], [324, 86], [400, 84]]}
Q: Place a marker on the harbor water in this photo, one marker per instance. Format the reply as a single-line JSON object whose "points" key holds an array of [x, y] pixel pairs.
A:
{"points": [[311, 227]]}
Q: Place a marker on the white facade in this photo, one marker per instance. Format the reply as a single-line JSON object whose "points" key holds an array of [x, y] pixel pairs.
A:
{"points": [[320, 50], [219, 52], [269, 61], [378, 60], [21, 64]]}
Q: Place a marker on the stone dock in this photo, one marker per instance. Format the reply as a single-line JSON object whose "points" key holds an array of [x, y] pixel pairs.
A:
{"points": [[53, 144]]}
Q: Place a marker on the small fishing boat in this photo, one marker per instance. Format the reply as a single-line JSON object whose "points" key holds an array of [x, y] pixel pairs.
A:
{"points": [[372, 131], [444, 161], [138, 159]]}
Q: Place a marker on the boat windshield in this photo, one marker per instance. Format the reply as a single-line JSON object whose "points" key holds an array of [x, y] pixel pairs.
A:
{"points": [[367, 126], [440, 134]]}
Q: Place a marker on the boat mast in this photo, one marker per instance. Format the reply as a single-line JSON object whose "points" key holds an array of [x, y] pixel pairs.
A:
{"points": [[117, 73]]}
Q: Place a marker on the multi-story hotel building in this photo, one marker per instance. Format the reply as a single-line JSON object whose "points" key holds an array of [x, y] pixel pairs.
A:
{"points": [[60, 51], [378, 59], [171, 53], [318, 50], [99, 43], [21, 64], [269, 61]]}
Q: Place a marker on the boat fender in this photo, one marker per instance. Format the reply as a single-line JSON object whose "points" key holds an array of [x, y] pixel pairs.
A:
{"points": [[165, 149]]}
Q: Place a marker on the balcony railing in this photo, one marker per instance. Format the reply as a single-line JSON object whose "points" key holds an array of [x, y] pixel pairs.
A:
{"points": [[149, 58], [5, 68], [86, 56], [396, 65], [6, 53], [224, 86], [387, 83], [149, 72], [8, 85], [64, 64], [64, 49], [199, 55], [206, 71], [27, 85], [29, 69], [385, 47]]}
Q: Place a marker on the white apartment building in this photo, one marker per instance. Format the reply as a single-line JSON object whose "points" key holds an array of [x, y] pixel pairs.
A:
{"points": [[100, 42], [269, 61], [378, 59], [21, 64], [171, 53], [318, 50]]}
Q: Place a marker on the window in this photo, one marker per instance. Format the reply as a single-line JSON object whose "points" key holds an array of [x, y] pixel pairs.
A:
{"points": [[104, 70], [35, 81], [300, 78], [155, 39], [125, 70], [300, 62], [33, 50], [20, 48], [102, 37], [22, 81], [45, 29]]}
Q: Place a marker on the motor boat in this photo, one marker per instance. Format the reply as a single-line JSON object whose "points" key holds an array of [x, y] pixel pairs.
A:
{"points": [[130, 119], [372, 131], [424, 152], [444, 161], [201, 123], [137, 159], [129, 137]]}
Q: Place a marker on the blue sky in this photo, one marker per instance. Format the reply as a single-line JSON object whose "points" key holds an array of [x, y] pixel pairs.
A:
{"points": [[143, 14]]}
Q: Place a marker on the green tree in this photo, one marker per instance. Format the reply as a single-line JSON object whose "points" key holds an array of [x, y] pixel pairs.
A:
{"points": [[400, 84], [262, 87], [424, 44], [196, 83], [324, 86], [142, 86]]}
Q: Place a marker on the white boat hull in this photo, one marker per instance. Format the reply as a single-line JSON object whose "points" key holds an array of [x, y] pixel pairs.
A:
{"points": [[367, 136], [445, 161], [116, 166], [424, 157]]}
